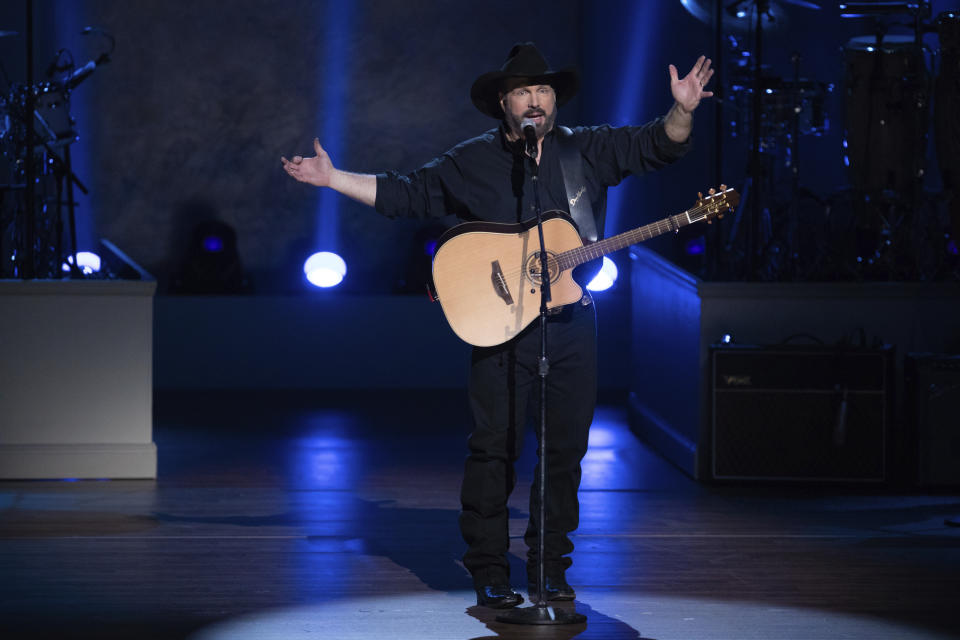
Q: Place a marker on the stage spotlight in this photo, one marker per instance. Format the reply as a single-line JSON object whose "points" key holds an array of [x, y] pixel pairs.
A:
{"points": [[607, 276], [88, 262], [213, 244], [696, 246], [211, 263], [325, 269]]}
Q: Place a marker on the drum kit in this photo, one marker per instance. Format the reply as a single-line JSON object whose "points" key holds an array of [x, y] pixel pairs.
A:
{"points": [[37, 185], [891, 85]]}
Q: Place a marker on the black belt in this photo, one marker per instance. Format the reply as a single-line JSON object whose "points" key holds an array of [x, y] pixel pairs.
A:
{"points": [[585, 301]]}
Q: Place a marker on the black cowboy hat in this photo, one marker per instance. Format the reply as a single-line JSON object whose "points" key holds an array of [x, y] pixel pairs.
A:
{"points": [[524, 61]]}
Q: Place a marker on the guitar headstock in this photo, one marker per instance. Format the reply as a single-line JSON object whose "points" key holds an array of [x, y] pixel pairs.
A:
{"points": [[716, 203]]}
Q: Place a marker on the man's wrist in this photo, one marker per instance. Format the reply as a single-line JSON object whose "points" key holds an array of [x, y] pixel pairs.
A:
{"points": [[679, 109], [335, 181], [678, 124]]}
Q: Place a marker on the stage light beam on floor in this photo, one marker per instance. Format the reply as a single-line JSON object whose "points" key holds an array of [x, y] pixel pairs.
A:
{"points": [[325, 269]]}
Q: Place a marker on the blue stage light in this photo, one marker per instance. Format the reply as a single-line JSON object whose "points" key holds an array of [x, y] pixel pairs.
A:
{"points": [[696, 246], [325, 269], [338, 36], [607, 276], [88, 261], [213, 244]]}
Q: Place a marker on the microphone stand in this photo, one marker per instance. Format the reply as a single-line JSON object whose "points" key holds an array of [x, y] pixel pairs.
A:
{"points": [[539, 613]]}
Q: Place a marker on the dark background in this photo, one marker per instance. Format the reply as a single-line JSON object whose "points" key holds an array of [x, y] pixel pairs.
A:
{"points": [[189, 119]]}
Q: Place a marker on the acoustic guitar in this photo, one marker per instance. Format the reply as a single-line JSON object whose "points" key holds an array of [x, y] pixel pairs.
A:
{"points": [[487, 275]]}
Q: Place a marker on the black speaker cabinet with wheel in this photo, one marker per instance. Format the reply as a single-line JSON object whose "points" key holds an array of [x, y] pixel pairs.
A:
{"points": [[932, 389], [801, 414]]}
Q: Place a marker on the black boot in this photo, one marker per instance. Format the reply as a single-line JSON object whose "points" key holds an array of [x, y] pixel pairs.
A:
{"points": [[556, 589], [497, 596]]}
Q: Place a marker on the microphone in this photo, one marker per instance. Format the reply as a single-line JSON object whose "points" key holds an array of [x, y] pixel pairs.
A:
{"points": [[530, 135]]}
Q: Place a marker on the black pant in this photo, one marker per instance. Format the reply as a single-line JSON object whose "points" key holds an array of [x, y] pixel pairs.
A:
{"points": [[503, 385]]}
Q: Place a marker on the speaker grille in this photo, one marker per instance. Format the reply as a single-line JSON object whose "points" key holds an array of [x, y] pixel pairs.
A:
{"points": [[799, 415]]}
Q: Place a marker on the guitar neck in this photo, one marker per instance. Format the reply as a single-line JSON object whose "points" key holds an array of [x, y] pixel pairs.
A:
{"points": [[574, 257]]}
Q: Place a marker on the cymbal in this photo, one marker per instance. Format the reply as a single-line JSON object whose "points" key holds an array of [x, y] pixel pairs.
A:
{"points": [[802, 3], [737, 14]]}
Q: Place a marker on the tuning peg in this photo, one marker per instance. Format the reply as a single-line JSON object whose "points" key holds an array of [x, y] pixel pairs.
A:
{"points": [[723, 187], [712, 191], [699, 195]]}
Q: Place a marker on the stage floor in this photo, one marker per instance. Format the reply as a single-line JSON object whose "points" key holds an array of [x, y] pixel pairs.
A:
{"points": [[335, 516]]}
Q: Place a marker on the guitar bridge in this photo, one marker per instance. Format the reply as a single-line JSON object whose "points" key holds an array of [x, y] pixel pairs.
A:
{"points": [[500, 283]]}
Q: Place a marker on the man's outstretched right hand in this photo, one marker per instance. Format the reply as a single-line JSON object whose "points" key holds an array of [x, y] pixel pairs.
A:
{"points": [[316, 170]]}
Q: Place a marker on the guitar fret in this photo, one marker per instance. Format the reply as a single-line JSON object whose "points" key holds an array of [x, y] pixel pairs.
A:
{"points": [[579, 255]]}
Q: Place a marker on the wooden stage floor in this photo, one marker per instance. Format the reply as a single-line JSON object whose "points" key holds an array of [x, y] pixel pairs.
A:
{"points": [[281, 516]]}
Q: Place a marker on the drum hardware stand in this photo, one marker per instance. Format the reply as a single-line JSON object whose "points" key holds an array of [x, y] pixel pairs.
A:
{"points": [[770, 250], [539, 613], [64, 172], [762, 7], [898, 245], [793, 216], [752, 231], [27, 259], [38, 138]]}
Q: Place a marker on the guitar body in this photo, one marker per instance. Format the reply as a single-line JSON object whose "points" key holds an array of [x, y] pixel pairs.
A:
{"points": [[487, 276]]}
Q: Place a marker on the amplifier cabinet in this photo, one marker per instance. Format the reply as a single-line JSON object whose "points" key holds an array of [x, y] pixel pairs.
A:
{"points": [[799, 414], [932, 386]]}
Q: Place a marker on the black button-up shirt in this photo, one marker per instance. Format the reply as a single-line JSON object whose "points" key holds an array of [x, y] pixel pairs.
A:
{"points": [[484, 178]]}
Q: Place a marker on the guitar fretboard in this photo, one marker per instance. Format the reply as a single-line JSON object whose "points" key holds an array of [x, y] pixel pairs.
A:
{"points": [[574, 257]]}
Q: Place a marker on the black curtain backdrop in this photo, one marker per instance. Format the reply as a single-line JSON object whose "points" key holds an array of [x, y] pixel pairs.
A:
{"points": [[189, 119]]}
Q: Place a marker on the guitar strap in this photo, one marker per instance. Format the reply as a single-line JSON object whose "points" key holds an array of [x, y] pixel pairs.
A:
{"points": [[571, 165]]}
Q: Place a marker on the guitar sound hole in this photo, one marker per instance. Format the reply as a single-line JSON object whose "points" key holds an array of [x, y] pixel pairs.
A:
{"points": [[532, 267]]}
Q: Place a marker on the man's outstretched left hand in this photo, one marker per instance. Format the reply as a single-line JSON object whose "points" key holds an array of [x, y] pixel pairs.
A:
{"points": [[689, 90]]}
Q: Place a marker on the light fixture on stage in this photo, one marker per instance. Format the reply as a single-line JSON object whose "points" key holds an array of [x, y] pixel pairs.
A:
{"points": [[213, 244], [325, 269], [696, 246], [211, 263], [607, 276], [88, 262]]}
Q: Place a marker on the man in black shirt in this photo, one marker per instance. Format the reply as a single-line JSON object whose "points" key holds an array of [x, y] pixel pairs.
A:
{"points": [[484, 178]]}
